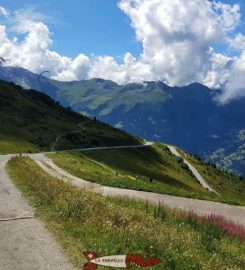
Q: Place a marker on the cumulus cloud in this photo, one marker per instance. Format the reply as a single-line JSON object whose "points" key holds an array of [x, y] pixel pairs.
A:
{"points": [[3, 12], [220, 70], [238, 43], [33, 51], [178, 38], [234, 87]]}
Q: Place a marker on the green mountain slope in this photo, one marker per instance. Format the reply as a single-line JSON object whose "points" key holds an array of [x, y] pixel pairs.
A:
{"points": [[153, 169], [188, 117], [105, 96], [184, 116], [32, 121]]}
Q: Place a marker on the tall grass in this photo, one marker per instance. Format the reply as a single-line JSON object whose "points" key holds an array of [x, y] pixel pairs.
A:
{"points": [[219, 222], [84, 221], [224, 225]]}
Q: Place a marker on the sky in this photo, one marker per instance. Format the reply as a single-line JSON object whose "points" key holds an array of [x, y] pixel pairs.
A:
{"points": [[175, 41], [90, 26]]}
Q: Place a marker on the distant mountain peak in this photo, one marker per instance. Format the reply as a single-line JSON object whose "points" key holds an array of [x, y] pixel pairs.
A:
{"points": [[185, 116]]}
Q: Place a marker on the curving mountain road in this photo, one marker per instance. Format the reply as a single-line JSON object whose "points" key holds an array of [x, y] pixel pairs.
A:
{"points": [[24, 241], [101, 148], [26, 244], [201, 207], [195, 172]]}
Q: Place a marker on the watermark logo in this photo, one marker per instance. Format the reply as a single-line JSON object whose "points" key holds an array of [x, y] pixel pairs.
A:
{"points": [[117, 261]]}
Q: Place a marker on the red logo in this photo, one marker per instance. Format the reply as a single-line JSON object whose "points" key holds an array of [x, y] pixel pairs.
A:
{"points": [[118, 261]]}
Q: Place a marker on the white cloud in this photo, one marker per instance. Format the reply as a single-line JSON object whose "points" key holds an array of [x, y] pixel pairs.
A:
{"points": [[234, 86], [178, 39], [238, 43], [130, 70], [177, 35], [220, 70], [3, 12], [229, 15]]}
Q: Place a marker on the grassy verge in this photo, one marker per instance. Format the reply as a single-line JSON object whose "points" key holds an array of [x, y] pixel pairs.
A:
{"points": [[133, 169], [13, 145], [83, 221]]}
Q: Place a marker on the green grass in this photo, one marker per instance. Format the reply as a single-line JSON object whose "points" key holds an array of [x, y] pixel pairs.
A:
{"points": [[83, 221], [229, 186], [133, 168], [106, 96], [31, 120], [14, 145]]}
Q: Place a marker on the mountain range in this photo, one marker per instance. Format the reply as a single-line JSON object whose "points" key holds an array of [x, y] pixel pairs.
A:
{"points": [[188, 117], [31, 122]]}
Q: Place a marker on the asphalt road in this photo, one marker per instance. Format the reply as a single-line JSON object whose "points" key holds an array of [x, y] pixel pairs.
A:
{"points": [[25, 244], [195, 172]]}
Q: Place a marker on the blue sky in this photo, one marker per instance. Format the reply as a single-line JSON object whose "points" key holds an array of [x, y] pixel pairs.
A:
{"points": [[90, 26], [175, 41], [93, 26]]}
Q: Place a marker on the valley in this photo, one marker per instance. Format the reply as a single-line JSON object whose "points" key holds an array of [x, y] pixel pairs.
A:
{"points": [[122, 135], [71, 168], [189, 117]]}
